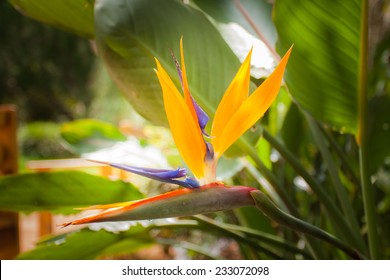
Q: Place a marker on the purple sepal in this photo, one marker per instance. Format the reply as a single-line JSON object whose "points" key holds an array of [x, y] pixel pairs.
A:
{"points": [[203, 118], [162, 175]]}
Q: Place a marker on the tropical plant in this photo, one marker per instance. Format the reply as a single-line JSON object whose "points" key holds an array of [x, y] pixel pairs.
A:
{"points": [[317, 163]]}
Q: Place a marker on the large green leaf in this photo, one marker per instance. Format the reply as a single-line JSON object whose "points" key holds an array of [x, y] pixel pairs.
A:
{"points": [[322, 72], [70, 15], [87, 135], [88, 244], [130, 33], [61, 192]]}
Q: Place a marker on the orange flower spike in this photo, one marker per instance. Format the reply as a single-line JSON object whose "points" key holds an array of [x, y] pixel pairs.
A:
{"points": [[234, 96], [183, 126], [187, 95], [197, 112], [236, 114], [250, 111]]}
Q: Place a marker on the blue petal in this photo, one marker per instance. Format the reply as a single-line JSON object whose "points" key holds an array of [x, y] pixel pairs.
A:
{"points": [[209, 152], [152, 172], [191, 182], [203, 118], [162, 175]]}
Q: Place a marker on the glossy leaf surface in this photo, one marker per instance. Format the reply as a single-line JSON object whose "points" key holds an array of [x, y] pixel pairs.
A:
{"points": [[323, 70], [131, 32], [61, 192]]}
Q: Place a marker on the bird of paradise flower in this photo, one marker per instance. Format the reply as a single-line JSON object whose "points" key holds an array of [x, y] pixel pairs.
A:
{"points": [[236, 113]]}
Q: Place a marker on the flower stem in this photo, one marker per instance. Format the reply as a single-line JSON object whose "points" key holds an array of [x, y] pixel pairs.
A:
{"points": [[279, 189], [367, 188], [268, 208]]}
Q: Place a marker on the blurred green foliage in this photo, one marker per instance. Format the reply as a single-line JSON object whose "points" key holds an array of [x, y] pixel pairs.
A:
{"points": [[43, 71], [41, 140], [25, 193], [307, 163]]}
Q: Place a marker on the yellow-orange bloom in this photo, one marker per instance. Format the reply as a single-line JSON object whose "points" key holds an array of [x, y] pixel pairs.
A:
{"points": [[236, 113]]}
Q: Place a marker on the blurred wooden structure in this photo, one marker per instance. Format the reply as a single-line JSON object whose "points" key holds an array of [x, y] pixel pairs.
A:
{"points": [[9, 241], [20, 232]]}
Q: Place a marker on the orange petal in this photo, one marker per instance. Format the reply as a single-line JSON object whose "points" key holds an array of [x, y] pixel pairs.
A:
{"points": [[252, 109], [106, 206], [187, 95], [234, 96], [185, 130]]}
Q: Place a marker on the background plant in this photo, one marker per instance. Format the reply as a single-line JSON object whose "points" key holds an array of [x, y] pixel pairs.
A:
{"points": [[320, 153]]}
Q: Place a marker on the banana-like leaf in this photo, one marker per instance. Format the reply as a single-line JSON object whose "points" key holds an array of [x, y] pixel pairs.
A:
{"points": [[322, 72], [61, 192], [75, 16], [131, 32], [183, 202]]}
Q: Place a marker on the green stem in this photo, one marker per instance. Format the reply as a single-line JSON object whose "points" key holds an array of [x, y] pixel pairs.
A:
{"points": [[335, 215], [265, 205], [338, 186], [367, 188]]}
